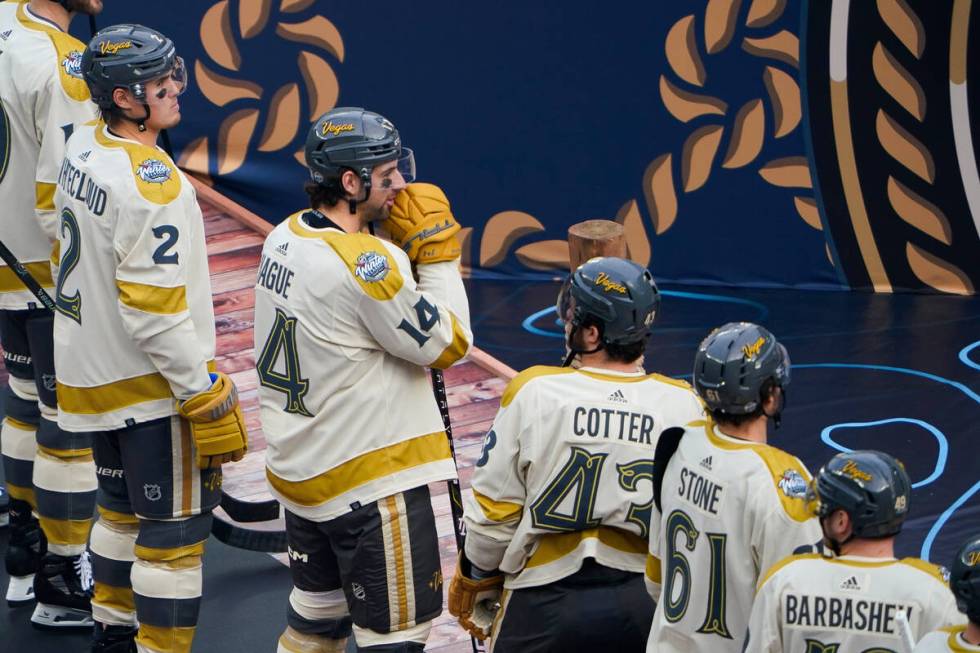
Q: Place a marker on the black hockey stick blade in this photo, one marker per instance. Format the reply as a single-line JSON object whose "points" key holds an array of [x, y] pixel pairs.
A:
{"points": [[667, 445], [247, 538], [249, 511]]}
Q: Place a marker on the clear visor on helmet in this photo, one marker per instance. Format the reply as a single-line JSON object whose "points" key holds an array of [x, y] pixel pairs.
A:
{"points": [[406, 165], [172, 84]]}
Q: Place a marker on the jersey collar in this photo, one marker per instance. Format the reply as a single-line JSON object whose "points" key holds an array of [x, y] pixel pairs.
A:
{"points": [[30, 15]]}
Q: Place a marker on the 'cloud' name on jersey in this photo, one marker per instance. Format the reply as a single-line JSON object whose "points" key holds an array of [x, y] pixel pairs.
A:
{"points": [[78, 185]]}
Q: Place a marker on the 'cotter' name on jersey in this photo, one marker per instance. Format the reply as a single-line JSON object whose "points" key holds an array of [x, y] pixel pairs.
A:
{"points": [[77, 184], [610, 424], [275, 276]]}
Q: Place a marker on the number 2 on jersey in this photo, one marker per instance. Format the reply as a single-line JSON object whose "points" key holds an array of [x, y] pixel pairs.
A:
{"points": [[282, 339], [70, 307], [680, 525]]}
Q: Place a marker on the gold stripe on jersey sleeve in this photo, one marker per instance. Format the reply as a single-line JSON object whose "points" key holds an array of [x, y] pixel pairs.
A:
{"points": [[927, 567], [357, 251], [161, 190], [499, 511], [527, 375], [40, 270], [56, 252], [456, 349], [44, 196], [152, 299], [653, 572], [109, 397], [782, 563], [777, 461], [367, 467], [67, 47], [552, 547]]}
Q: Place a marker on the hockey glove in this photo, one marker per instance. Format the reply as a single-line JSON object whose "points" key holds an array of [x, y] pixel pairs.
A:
{"points": [[422, 224], [475, 602], [216, 423]]}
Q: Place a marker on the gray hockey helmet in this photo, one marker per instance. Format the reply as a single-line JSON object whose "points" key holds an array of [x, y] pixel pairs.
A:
{"points": [[620, 294], [128, 56], [734, 362], [964, 578], [872, 487], [354, 138]]}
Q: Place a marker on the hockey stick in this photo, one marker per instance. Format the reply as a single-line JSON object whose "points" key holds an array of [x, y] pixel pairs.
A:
{"points": [[247, 538], [667, 445], [455, 493], [243, 511]]}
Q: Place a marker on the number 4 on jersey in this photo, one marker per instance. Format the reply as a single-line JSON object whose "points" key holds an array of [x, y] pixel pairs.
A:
{"points": [[282, 340]]}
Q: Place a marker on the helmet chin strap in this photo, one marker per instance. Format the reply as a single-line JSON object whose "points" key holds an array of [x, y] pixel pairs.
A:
{"points": [[366, 181], [777, 415], [139, 122], [573, 351]]}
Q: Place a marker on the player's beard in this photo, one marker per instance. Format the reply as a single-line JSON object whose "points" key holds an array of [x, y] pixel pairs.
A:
{"points": [[89, 7]]}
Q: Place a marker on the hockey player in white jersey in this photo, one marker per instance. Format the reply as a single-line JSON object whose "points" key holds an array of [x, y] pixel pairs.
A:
{"points": [[727, 504], [851, 602], [342, 332], [42, 99], [964, 580], [557, 519], [135, 344]]}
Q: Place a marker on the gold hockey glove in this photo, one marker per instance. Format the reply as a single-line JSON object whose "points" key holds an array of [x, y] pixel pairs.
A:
{"points": [[475, 602], [422, 224], [216, 423]]}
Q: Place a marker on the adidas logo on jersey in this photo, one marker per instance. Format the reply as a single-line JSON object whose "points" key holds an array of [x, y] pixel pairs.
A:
{"points": [[706, 463], [618, 397], [84, 155], [6, 35], [282, 249], [851, 583]]}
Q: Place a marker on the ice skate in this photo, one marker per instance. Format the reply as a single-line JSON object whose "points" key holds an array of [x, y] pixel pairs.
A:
{"points": [[63, 589]]}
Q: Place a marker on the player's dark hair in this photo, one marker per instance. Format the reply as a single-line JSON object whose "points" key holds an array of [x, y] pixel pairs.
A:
{"points": [[766, 390], [619, 353], [328, 193]]}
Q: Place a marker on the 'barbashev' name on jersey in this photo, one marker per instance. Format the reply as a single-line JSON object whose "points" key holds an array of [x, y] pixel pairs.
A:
{"points": [[842, 613]]}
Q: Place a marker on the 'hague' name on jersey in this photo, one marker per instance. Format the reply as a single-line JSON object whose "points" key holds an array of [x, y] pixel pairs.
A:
{"points": [[610, 424], [275, 276], [78, 185], [849, 614]]}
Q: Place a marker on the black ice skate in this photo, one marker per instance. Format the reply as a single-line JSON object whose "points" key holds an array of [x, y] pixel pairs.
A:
{"points": [[63, 589], [113, 639], [24, 551]]}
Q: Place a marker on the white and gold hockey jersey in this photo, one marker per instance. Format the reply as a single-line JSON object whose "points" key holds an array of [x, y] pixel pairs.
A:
{"points": [[848, 604], [731, 509], [342, 332], [42, 99], [565, 472], [135, 323], [946, 640]]}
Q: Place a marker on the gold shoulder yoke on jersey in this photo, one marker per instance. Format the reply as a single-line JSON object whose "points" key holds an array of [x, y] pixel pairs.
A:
{"points": [[527, 375], [69, 51], [680, 383], [783, 563], [155, 175], [933, 570], [789, 476], [365, 256]]}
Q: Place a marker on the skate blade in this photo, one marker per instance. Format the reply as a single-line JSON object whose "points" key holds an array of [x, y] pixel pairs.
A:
{"points": [[20, 591], [4, 519], [52, 617]]}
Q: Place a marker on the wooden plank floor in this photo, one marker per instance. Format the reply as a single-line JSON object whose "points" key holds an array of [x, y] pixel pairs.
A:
{"points": [[474, 394]]}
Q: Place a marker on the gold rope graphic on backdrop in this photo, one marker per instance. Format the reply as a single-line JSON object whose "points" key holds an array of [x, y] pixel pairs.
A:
{"points": [[249, 128], [734, 139], [897, 136]]}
